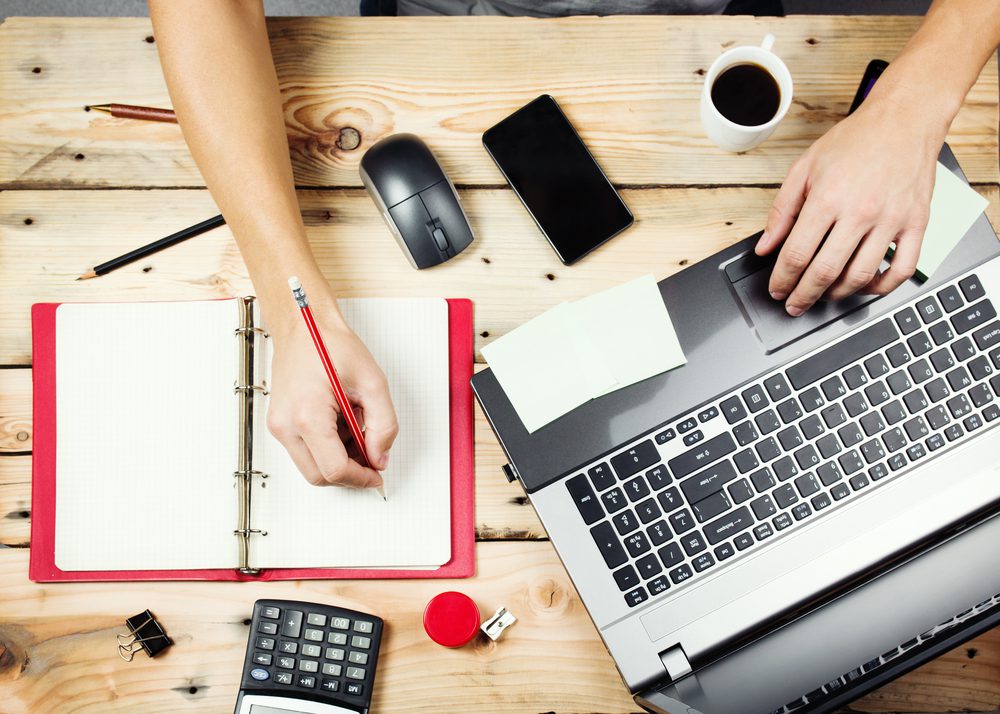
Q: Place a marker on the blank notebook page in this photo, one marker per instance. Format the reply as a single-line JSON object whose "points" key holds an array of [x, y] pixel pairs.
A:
{"points": [[146, 430], [312, 526]]}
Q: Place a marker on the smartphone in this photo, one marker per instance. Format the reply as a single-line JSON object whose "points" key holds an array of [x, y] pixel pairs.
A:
{"points": [[873, 71], [550, 169]]}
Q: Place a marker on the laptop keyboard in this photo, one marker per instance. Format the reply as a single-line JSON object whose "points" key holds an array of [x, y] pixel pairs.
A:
{"points": [[800, 441]]}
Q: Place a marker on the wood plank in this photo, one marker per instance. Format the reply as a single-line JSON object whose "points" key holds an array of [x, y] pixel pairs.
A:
{"points": [[551, 660], [15, 500], [637, 109], [15, 411], [49, 238]]}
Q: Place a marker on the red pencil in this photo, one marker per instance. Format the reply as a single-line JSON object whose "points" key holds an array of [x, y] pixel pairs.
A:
{"points": [[338, 390]]}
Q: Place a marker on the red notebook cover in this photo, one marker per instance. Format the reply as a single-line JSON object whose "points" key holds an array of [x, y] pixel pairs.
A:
{"points": [[42, 567]]}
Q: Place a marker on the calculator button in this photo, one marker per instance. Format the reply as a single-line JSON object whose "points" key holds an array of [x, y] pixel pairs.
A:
{"points": [[259, 674], [362, 642], [289, 647], [361, 657], [291, 626], [355, 673], [314, 635], [268, 628], [316, 619], [355, 688], [331, 670], [363, 627], [311, 650], [271, 613], [340, 623], [262, 658], [306, 681], [334, 653], [336, 638], [286, 662], [308, 665], [264, 643], [331, 685], [283, 677]]}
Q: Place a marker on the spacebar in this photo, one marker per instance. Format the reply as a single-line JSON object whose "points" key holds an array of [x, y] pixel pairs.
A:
{"points": [[842, 354]]}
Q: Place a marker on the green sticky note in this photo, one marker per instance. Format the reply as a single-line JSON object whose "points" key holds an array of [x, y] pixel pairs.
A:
{"points": [[955, 206]]}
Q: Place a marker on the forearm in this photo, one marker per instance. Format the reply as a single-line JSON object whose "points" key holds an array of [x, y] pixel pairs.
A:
{"points": [[217, 62]]}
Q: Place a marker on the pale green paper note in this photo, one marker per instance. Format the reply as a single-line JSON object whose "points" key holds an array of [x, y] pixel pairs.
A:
{"points": [[955, 206]]}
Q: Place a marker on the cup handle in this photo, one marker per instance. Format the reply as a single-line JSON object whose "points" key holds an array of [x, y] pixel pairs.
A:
{"points": [[768, 42]]}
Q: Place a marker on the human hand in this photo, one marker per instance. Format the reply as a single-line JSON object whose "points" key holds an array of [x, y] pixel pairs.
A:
{"points": [[864, 184], [303, 413]]}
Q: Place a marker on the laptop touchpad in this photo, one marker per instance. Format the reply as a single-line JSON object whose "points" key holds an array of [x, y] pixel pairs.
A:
{"points": [[749, 275]]}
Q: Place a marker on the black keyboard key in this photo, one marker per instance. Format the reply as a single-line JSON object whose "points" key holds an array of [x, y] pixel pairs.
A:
{"points": [[872, 451], [725, 551], [916, 428], [670, 499], [812, 399], [659, 533], [894, 439], [980, 395], [971, 288], [781, 521], [609, 545], [763, 507], [971, 423], [953, 432], [959, 406], [938, 417], [820, 502], [937, 390], [897, 354], [807, 485], [840, 491], [893, 412], [919, 344], [878, 472], [829, 473], [934, 442], [855, 377], [671, 555], [636, 489], [987, 337], [639, 457], [942, 359], [637, 544], [687, 425], [648, 566], [980, 368], [702, 562], [784, 468], [658, 477], [742, 542], [708, 414], [702, 455], [777, 387], [950, 298], [834, 415], [728, 525], [711, 506], [872, 423], [876, 366], [755, 398], [991, 413], [789, 410], [828, 446], [898, 382], [745, 460], [733, 410], [768, 449], [601, 477], [811, 427], [941, 333], [681, 521], [680, 574], [859, 482], [785, 495], [634, 597], [762, 479], [995, 384], [585, 499], [664, 436], [917, 450], [806, 457], [648, 511], [614, 500], [693, 543], [740, 491], [836, 357], [790, 438], [833, 388], [763, 531], [915, 401], [958, 379], [625, 522], [850, 462], [626, 578], [745, 433], [767, 422], [920, 371], [708, 481], [907, 320], [877, 393], [855, 404], [693, 437], [801, 511], [928, 309], [964, 348], [850, 434], [658, 585]]}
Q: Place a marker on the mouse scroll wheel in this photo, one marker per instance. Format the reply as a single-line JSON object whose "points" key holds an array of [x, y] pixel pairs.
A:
{"points": [[440, 238]]}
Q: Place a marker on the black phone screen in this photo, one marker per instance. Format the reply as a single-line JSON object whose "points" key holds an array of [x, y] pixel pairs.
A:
{"points": [[554, 175]]}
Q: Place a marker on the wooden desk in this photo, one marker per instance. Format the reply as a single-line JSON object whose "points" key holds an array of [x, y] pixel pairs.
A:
{"points": [[81, 187]]}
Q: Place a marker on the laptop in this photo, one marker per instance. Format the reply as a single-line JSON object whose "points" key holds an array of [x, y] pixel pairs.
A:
{"points": [[803, 511]]}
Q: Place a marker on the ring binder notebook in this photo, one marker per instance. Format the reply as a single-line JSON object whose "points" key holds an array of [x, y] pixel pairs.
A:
{"points": [[248, 515]]}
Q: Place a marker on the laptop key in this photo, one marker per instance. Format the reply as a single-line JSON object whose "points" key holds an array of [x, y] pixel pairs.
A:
{"points": [[894, 439], [937, 390], [585, 499], [768, 449], [850, 462], [626, 578], [941, 332], [980, 368], [834, 416], [872, 451], [664, 436], [763, 507], [711, 506], [859, 482], [671, 555], [785, 495], [659, 533], [916, 428], [950, 298], [745, 460], [988, 337], [609, 545], [728, 525], [938, 417], [785, 468], [963, 348], [767, 422], [920, 371], [897, 354], [850, 434], [614, 500], [919, 344], [971, 288], [708, 414], [781, 521], [637, 544], [681, 521], [953, 432], [915, 401], [636, 597], [601, 477], [745, 433], [648, 566], [742, 542], [702, 455], [801, 511], [777, 387], [733, 410], [876, 366], [959, 406], [855, 377], [693, 543], [942, 359], [740, 491], [639, 457], [790, 438], [636, 488], [812, 399], [625, 522], [934, 442], [836, 357], [893, 412], [872, 423], [789, 410], [877, 393], [658, 477], [811, 427], [680, 574], [971, 423], [980, 395], [703, 562], [840, 491], [973, 316], [807, 484], [833, 388], [725, 551], [647, 510], [907, 320], [658, 585], [898, 382], [762, 479], [670, 499], [763, 531], [755, 398], [855, 404], [806, 457], [707, 482], [829, 473], [928, 309], [990, 413]]}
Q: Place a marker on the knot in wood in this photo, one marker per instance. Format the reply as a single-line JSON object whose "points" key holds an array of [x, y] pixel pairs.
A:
{"points": [[349, 139], [548, 597]]}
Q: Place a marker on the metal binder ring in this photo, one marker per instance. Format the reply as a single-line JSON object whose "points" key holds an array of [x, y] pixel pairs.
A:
{"points": [[258, 330], [262, 388]]}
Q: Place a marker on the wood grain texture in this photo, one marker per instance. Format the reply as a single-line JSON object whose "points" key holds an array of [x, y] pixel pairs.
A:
{"points": [[631, 85], [15, 412]]}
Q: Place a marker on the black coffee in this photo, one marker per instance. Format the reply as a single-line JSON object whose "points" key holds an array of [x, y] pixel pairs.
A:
{"points": [[746, 94]]}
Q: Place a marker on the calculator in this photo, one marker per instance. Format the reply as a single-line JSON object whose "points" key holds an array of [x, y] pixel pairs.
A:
{"points": [[307, 658]]}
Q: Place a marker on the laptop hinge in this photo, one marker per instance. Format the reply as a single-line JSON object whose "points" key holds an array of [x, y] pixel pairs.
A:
{"points": [[675, 662]]}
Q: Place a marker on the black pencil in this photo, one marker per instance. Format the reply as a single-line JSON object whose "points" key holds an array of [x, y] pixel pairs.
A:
{"points": [[155, 246]]}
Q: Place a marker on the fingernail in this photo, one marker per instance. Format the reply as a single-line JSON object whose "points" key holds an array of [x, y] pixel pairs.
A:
{"points": [[761, 241], [793, 310], [778, 296]]}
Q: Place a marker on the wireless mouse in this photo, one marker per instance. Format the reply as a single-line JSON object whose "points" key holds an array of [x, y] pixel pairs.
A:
{"points": [[416, 199]]}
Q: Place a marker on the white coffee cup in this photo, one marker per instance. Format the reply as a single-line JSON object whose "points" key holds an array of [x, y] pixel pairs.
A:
{"points": [[729, 135]]}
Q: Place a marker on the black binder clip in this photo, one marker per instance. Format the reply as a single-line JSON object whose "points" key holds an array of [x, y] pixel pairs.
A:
{"points": [[145, 633]]}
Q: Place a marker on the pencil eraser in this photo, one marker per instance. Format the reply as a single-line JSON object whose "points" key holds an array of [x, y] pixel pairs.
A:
{"points": [[294, 283]]}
